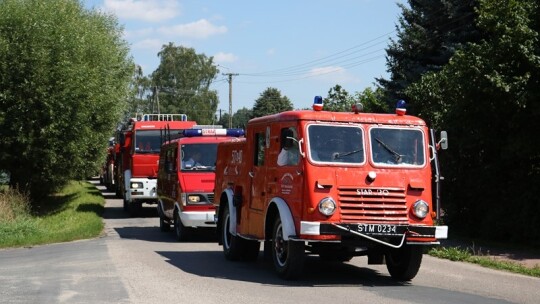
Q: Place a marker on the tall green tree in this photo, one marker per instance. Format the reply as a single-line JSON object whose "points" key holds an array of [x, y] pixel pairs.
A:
{"points": [[270, 102], [487, 97], [182, 84], [428, 34], [64, 75]]}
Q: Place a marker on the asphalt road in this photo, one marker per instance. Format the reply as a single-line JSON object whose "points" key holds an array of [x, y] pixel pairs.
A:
{"points": [[133, 262]]}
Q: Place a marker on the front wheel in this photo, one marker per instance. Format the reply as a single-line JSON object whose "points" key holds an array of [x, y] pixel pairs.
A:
{"points": [[403, 263], [288, 255], [182, 232], [232, 244]]}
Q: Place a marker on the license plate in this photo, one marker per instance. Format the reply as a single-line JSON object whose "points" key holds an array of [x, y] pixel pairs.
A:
{"points": [[376, 228]]}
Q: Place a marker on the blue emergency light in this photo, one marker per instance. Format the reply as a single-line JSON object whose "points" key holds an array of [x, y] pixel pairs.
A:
{"points": [[318, 103], [213, 132], [401, 107]]}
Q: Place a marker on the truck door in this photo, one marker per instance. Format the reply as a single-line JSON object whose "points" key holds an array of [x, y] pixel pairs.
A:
{"points": [[257, 172]]}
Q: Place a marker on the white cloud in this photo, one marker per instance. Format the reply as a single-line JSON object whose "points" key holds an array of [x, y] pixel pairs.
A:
{"points": [[225, 57], [198, 29], [333, 73], [146, 10]]}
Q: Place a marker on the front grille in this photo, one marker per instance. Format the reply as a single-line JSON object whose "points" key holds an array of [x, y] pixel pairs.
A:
{"points": [[373, 205], [210, 197]]}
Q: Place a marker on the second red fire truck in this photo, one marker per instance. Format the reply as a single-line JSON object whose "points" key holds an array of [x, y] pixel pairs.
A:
{"points": [[330, 183], [185, 185]]}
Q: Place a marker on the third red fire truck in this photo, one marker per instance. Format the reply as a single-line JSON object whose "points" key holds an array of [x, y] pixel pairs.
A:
{"points": [[136, 164], [330, 183]]}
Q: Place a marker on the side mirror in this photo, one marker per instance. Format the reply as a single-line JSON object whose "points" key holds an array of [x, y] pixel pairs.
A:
{"points": [[443, 142]]}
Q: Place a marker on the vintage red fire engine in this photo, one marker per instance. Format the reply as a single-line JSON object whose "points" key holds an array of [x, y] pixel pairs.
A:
{"points": [[334, 184], [138, 154], [185, 184]]}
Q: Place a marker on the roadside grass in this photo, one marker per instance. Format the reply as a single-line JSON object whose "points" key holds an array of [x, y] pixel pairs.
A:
{"points": [[72, 214], [459, 254]]}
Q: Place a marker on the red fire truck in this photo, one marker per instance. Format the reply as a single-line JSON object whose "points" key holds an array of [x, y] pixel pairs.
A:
{"points": [[334, 184], [107, 171], [186, 176], [138, 154]]}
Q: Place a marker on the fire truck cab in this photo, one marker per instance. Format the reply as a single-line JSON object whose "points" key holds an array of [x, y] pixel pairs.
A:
{"points": [[334, 184], [139, 147], [185, 185]]}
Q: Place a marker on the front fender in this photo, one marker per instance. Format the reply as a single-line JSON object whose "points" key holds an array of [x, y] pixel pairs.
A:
{"points": [[285, 215], [232, 210]]}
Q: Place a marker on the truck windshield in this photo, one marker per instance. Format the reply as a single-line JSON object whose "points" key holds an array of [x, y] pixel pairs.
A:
{"points": [[336, 144], [198, 157], [397, 146], [149, 141]]}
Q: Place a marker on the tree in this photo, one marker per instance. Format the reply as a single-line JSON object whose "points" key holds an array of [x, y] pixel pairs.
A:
{"points": [[271, 102], [429, 33], [487, 99], [338, 100], [239, 119], [372, 100], [64, 74], [182, 83]]}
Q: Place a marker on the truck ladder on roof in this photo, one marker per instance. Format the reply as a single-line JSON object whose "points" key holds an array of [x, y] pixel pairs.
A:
{"points": [[162, 117]]}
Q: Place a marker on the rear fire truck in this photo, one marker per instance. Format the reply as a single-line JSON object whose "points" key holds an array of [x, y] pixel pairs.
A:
{"points": [[185, 185], [106, 177], [138, 154], [334, 184]]}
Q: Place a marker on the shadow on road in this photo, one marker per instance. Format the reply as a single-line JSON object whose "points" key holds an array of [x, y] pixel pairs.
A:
{"points": [[153, 234], [316, 272]]}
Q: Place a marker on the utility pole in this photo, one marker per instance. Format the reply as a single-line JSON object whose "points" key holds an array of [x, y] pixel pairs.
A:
{"points": [[230, 95]]}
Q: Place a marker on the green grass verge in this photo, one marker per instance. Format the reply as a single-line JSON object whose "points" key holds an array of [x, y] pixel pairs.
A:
{"points": [[72, 214], [465, 255]]}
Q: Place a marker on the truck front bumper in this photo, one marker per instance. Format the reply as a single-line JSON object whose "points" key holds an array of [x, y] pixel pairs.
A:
{"points": [[373, 230]]}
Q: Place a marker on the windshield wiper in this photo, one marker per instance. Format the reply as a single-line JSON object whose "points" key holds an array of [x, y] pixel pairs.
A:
{"points": [[340, 155], [397, 155]]}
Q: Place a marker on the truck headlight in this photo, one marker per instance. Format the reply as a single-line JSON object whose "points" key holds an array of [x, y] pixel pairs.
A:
{"points": [[420, 209], [193, 199], [136, 185], [327, 206]]}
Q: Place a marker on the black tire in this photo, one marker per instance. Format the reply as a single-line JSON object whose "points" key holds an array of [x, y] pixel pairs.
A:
{"points": [[288, 256], [182, 232], [164, 225], [232, 245], [126, 205], [403, 263]]}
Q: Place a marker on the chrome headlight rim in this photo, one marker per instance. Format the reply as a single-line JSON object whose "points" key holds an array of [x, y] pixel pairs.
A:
{"points": [[327, 206], [420, 209]]}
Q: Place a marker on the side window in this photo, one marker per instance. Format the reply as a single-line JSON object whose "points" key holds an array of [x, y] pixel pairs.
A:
{"points": [[288, 153], [259, 149]]}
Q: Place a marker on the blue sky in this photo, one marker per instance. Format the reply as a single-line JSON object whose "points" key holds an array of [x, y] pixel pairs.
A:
{"points": [[301, 47]]}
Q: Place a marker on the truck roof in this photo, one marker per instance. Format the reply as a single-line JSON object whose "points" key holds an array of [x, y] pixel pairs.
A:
{"points": [[340, 117]]}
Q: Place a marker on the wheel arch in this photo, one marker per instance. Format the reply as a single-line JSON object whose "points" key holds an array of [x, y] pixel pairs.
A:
{"points": [[226, 199], [278, 207]]}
